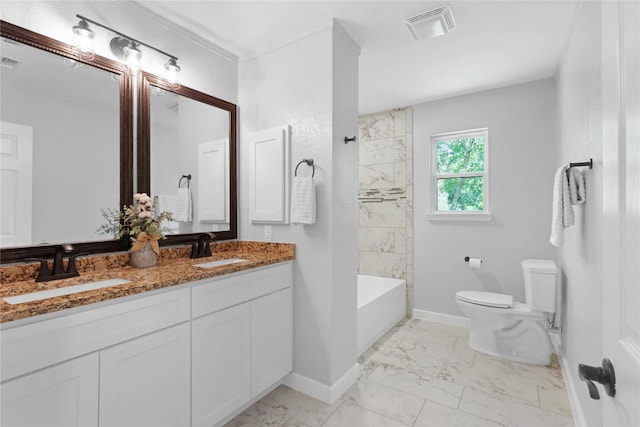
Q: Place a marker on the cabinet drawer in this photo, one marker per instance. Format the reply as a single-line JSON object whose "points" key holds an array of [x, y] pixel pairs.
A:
{"points": [[217, 294], [37, 345]]}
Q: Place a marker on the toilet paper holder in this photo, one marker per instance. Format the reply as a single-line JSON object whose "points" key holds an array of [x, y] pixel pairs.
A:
{"points": [[466, 259]]}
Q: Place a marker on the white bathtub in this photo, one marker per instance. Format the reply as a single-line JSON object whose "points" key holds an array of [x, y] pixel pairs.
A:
{"points": [[381, 304]]}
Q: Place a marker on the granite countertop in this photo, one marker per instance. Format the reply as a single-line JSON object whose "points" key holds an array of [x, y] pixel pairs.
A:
{"points": [[174, 268]]}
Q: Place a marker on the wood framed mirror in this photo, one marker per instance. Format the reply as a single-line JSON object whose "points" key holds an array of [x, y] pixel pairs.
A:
{"points": [[79, 115], [187, 143]]}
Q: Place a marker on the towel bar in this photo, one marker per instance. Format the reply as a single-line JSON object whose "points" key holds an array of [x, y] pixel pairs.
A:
{"points": [[309, 162], [188, 177], [589, 163]]}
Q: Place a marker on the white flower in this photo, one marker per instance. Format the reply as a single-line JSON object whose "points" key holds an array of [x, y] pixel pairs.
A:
{"points": [[144, 199]]}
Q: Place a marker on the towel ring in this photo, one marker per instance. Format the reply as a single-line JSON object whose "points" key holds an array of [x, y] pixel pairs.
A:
{"points": [[188, 178], [309, 162]]}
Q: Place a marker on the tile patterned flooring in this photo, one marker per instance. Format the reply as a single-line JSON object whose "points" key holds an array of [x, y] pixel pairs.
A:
{"points": [[424, 374]]}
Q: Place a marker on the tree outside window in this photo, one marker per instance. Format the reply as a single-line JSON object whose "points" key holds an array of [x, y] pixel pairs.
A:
{"points": [[459, 178]]}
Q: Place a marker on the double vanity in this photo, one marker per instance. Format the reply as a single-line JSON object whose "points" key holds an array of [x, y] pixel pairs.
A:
{"points": [[188, 342]]}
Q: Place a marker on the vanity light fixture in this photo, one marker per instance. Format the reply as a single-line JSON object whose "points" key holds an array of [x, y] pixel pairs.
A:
{"points": [[132, 56], [83, 40], [125, 48]]}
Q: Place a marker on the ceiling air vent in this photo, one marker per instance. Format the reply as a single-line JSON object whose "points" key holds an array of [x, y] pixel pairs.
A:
{"points": [[432, 24], [9, 63]]}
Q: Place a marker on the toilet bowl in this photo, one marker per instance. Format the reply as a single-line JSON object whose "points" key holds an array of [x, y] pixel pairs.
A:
{"points": [[505, 328]]}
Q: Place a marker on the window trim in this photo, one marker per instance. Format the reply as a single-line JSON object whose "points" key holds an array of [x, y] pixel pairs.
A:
{"points": [[434, 214]]}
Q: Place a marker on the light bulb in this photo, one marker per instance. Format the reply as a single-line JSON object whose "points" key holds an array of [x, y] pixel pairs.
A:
{"points": [[83, 40], [172, 72], [132, 57]]}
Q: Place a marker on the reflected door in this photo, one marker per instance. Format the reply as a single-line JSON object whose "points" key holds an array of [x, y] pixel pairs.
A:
{"points": [[16, 156]]}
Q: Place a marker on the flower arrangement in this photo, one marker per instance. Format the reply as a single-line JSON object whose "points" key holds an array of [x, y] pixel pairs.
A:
{"points": [[137, 221]]}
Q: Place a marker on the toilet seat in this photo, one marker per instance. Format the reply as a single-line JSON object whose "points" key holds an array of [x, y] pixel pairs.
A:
{"points": [[487, 299]]}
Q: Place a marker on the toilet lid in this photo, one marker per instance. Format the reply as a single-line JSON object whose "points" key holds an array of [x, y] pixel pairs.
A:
{"points": [[488, 299]]}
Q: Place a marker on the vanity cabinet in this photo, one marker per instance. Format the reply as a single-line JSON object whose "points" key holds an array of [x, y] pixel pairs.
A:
{"points": [[271, 339], [62, 395], [221, 364], [63, 371], [145, 382], [244, 347], [195, 355]]}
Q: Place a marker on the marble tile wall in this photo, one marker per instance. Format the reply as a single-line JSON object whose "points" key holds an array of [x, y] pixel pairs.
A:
{"points": [[385, 232]]}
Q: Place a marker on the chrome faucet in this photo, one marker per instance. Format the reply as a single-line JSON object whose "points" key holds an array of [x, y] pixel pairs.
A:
{"points": [[58, 271], [203, 247]]}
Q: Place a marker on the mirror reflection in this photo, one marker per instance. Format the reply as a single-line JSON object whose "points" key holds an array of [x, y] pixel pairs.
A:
{"points": [[60, 147], [187, 159], [189, 154]]}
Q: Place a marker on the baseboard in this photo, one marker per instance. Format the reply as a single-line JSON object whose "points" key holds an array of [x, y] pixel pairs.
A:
{"points": [[447, 319], [570, 384], [323, 392]]}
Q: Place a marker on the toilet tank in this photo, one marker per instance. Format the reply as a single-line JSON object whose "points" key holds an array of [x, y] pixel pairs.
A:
{"points": [[540, 279]]}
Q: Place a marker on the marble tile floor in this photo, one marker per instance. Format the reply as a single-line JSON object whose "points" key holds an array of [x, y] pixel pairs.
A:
{"points": [[424, 374]]}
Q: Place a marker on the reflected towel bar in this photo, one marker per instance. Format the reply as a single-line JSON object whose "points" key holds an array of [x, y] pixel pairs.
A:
{"points": [[188, 178]]}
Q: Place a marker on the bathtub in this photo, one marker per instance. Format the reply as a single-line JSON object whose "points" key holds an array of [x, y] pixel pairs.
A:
{"points": [[381, 304]]}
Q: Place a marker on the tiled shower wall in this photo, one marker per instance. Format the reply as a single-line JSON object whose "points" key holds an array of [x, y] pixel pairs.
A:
{"points": [[385, 233]]}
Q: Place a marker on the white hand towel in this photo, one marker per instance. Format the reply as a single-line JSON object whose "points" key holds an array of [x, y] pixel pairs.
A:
{"points": [[167, 203], [303, 200], [577, 191], [183, 205], [562, 216]]}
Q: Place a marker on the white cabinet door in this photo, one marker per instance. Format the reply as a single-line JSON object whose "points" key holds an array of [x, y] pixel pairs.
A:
{"points": [[271, 339], [221, 364], [63, 395], [146, 381], [270, 175]]}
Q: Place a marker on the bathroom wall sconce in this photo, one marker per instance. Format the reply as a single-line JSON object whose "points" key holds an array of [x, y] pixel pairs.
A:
{"points": [[124, 47]]}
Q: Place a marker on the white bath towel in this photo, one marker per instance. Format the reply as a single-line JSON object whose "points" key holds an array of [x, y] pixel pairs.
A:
{"points": [[167, 203], [562, 216], [183, 205], [303, 200], [577, 192]]}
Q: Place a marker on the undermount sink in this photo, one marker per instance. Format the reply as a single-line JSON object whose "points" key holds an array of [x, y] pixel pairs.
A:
{"points": [[219, 262], [67, 290]]}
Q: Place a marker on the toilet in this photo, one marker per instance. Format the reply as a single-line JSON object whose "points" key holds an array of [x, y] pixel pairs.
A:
{"points": [[505, 328]]}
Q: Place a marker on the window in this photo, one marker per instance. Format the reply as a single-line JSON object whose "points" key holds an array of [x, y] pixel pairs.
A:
{"points": [[459, 178]]}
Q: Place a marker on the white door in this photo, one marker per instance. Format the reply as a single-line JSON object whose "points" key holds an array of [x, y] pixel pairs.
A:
{"points": [[621, 198], [146, 381], [16, 157], [271, 339], [221, 364], [62, 395], [269, 175]]}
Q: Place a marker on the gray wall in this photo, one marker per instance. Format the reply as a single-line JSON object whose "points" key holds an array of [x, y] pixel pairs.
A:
{"points": [[317, 97], [521, 170]]}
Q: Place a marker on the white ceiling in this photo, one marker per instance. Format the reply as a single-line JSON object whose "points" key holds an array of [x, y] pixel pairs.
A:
{"points": [[496, 43]]}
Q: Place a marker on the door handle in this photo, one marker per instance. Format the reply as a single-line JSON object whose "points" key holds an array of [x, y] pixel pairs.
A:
{"points": [[604, 375]]}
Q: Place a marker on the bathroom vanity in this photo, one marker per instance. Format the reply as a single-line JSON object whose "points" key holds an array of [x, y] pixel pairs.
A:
{"points": [[194, 349]]}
